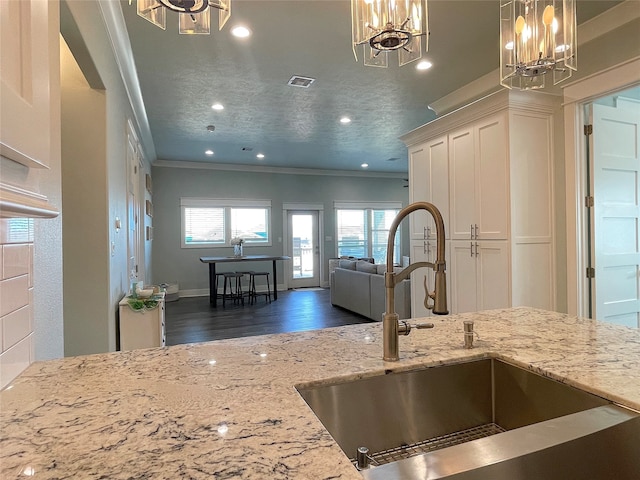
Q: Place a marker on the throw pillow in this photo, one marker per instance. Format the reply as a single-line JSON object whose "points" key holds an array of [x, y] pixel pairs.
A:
{"points": [[366, 267], [347, 264]]}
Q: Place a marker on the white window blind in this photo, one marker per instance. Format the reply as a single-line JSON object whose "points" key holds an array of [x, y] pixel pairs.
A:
{"points": [[203, 225], [363, 232]]}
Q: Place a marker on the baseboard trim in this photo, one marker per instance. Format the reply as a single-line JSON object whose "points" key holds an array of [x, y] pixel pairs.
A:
{"points": [[204, 292]]}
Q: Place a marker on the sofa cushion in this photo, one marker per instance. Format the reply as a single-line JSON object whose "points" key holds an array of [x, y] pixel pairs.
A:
{"points": [[350, 290], [366, 267], [347, 264]]}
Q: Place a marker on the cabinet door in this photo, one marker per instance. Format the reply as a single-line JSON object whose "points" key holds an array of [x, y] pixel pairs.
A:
{"points": [[429, 182], [463, 277], [28, 48], [462, 184], [438, 154], [492, 274], [418, 190], [492, 174]]}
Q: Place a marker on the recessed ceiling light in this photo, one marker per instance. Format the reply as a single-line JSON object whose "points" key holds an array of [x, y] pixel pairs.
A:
{"points": [[217, 106], [240, 31], [260, 156], [365, 165], [209, 152], [345, 120], [424, 65]]}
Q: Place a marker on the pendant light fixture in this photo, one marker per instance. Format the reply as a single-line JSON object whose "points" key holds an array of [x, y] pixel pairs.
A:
{"points": [[538, 41], [194, 16], [384, 26]]}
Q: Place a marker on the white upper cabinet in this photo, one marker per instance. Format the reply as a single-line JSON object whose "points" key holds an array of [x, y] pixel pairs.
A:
{"points": [[429, 182], [27, 47], [479, 188]]}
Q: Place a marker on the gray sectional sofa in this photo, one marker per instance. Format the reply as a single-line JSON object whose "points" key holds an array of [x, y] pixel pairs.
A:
{"points": [[358, 286]]}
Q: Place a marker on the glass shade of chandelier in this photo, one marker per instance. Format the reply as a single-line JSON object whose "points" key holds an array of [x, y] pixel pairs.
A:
{"points": [[194, 16], [538, 42], [385, 26]]}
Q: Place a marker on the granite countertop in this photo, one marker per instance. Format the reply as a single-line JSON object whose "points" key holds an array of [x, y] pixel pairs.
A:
{"points": [[229, 409]]}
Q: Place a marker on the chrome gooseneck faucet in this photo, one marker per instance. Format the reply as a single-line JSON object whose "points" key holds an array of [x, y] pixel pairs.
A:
{"points": [[391, 325]]}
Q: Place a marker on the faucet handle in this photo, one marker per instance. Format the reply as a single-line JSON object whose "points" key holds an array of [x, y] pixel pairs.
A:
{"points": [[420, 326], [404, 327]]}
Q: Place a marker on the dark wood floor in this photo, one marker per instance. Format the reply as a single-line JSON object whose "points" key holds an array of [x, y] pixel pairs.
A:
{"points": [[193, 319]]}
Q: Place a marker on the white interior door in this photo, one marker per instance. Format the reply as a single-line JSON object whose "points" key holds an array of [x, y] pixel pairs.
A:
{"points": [[616, 233], [133, 209], [304, 249]]}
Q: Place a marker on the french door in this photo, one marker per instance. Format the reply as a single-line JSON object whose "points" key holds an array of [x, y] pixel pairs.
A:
{"points": [[304, 249]]}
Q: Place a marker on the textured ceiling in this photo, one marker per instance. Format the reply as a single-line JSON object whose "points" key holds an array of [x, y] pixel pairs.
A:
{"points": [[181, 76]]}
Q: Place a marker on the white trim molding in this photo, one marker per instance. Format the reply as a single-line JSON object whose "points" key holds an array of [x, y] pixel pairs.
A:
{"points": [[576, 95], [17, 202]]}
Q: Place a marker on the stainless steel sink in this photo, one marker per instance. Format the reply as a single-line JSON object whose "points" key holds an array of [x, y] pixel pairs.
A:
{"points": [[477, 420]]}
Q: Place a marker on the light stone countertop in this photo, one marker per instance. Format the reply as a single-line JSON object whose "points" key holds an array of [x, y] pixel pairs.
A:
{"points": [[157, 413]]}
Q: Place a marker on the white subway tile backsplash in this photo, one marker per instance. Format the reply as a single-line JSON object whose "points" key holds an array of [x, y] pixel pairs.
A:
{"points": [[16, 297], [15, 360], [16, 260], [15, 327], [14, 294], [16, 230]]}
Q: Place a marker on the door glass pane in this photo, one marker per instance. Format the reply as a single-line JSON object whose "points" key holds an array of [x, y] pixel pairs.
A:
{"points": [[303, 247]]}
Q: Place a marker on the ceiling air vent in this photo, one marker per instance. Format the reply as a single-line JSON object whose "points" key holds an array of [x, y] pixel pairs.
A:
{"points": [[302, 82], [247, 149]]}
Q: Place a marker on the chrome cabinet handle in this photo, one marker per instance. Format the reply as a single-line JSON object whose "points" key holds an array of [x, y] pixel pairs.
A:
{"points": [[471, 249], [477, 250], [476, 229], [471, 230]]}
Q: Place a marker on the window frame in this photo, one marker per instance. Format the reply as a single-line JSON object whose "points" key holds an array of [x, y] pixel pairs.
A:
{"points": [[369, 208], [227, 205]]}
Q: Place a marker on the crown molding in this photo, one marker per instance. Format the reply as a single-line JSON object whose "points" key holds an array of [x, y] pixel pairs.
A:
{"points": [[530, 102], [275, 170], [121, 45]]}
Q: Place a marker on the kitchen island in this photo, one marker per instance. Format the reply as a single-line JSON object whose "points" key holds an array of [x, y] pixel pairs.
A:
{"points": [[230, 409]]}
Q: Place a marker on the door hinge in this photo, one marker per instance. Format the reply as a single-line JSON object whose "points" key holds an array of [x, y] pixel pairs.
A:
{"points": [[591, 272], [588, 129], [588, 201]]}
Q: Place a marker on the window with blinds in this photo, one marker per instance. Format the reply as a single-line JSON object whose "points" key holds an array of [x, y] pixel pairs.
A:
{"points": [[363, 232], [204, 226], [214, 222]]}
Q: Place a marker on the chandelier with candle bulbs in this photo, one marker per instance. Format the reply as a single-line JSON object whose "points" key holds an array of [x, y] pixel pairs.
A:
{"points": [[384, 26], [538, 41], [194, 16]]}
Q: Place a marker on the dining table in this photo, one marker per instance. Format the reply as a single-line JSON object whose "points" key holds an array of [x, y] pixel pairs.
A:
{"points": [[212, 261]]}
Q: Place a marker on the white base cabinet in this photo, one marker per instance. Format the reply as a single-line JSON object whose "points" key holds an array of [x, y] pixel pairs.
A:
{"points": [[141, 329], [479, 273], [488, 167]]}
